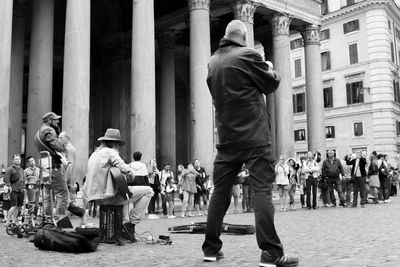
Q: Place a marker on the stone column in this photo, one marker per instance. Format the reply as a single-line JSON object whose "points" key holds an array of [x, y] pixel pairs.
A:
{"points": [[40, 90], [243, 10], [200, 99], [284, 134], [143, 97], [76, 87], [6, 11], [314, 92], [167, 98], [16, 79]]}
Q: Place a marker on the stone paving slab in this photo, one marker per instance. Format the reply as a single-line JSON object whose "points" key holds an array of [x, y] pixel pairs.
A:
{"points": [[334, 237]]}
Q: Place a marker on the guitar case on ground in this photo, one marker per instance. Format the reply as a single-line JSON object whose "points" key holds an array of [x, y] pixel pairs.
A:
{"points": [[200, 228]]}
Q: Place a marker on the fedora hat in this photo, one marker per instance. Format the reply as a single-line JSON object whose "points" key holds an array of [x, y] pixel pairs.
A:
{"points": [[112, 135]]}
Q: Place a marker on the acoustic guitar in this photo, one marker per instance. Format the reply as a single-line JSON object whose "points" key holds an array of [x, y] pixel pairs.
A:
{"points": [[120, 183]]}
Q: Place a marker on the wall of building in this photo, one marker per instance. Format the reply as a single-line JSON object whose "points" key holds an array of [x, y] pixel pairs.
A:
{"points": [[378, 113]]}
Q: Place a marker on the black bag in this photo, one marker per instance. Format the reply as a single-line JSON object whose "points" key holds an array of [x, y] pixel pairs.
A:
{"points": [[383, 171], [323, 184], [57, 240]]}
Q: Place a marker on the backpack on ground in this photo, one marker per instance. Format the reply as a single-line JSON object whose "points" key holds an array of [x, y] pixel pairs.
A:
{"points": [[62, 241]]}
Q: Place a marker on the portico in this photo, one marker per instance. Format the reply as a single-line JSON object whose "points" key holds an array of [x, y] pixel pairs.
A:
{"points": [[141, 67]]}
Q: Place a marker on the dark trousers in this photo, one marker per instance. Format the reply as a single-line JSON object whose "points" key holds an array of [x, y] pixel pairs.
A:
{"points": [[152, 205], [335, 184], [384, 190], [346, 189], [164, 204], [359, 186], [311, 185], [227, 165]]}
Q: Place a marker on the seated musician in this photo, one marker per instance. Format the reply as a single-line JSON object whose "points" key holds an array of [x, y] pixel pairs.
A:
{"points": [[101, 183]]}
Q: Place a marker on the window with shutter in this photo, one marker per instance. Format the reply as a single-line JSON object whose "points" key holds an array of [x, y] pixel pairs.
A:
{"points": [[353, 53], [330, 132], [300, 135], [351, 26], [328, 97], [297, 68], [326, 60], [358, 129]]}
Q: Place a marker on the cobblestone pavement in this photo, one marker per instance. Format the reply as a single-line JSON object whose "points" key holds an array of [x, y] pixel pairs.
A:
{"points": [[324, 237]]}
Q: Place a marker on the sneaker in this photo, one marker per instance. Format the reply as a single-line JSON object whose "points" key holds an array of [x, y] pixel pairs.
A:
{"points": [[283, 261], [171, 217], [219, 256]]}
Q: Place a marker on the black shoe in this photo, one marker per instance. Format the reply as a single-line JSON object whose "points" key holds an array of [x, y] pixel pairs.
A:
{"points": [[129, 231], [344, 205], [283, 261], [309, 208], [219, 256]]}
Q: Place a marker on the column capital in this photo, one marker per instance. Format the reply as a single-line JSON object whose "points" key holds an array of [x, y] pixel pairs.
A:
{"points": [[20, 7], [166, 38], [199, 4], [244, 10], [311, 35], [280, 24]]}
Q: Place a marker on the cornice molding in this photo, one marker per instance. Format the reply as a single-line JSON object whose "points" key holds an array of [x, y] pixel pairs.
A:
{"points": [[358, 7]]}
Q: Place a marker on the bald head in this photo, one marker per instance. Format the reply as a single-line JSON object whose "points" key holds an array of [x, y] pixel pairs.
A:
{"points": [[236, 30]]}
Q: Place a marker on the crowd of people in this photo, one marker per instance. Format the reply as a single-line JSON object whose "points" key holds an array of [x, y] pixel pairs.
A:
{"points": [[353, 177]]}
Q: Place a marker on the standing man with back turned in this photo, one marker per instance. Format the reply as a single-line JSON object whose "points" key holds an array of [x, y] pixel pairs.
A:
{"points": [[238, 78]]}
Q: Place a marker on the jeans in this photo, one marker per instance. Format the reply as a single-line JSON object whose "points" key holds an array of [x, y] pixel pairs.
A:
{"points": [[312, 182], [247, 200], [347, 187], [164, 203], [154, 198], [335, 184], [61, 198], [359, 186], [227, 165], [292, 191]]}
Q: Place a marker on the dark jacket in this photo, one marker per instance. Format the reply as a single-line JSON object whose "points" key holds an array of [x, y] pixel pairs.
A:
{"points": [[237, 79], [49, 137], [332, 170], [361, 165], [15, 178]]}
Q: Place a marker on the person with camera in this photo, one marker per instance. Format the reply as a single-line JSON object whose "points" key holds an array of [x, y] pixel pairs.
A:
{"points": [[331, 170], [311, 170], [14, 180], [238, 78], [358, 177]]}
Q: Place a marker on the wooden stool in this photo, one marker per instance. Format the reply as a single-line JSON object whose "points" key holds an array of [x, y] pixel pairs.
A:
{"points": [[110, 224]]}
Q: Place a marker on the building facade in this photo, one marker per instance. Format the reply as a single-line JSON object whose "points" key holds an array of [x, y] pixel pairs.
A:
{"points": [[360, 57], [141, 66]]}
